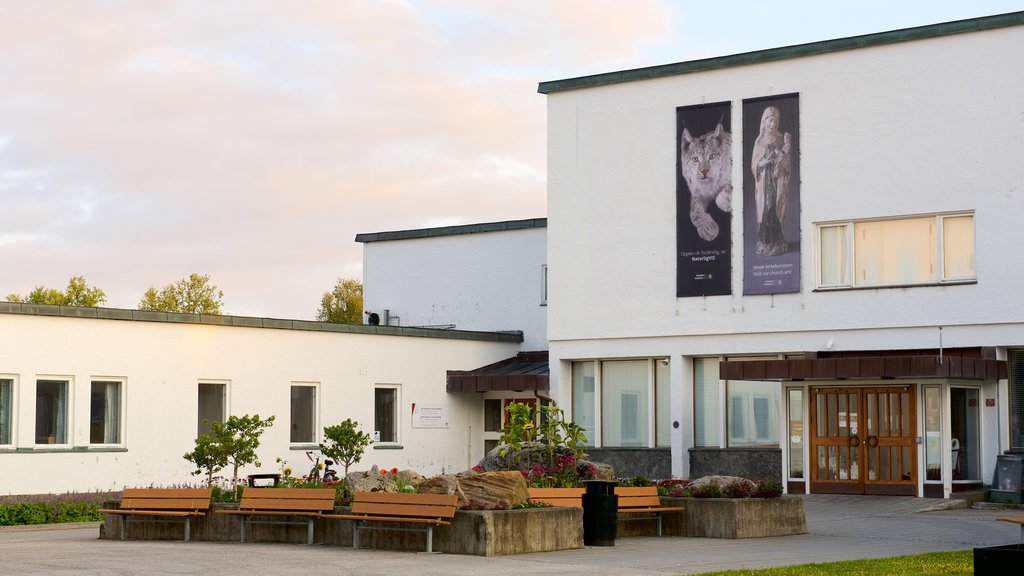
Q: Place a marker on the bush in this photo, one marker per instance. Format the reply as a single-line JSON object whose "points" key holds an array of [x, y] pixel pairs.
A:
{"points": [[53, 509], [739, 489], [767, 489]]}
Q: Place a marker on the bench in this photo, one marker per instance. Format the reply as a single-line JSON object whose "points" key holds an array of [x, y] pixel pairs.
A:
{"points": [[162, 505], [571, 497], [644, 501], [286, 504], [402, 508], [1016, 520]]}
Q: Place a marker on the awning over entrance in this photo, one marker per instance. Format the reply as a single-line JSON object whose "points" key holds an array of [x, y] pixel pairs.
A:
{"points": [[526, 371], [964, 364]]}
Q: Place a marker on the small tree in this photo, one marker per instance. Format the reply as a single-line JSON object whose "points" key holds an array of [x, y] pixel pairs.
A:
{"points": [[208, 457], [192, 295], [233, 442], [343, 304], [345, 444], [78, 293]]}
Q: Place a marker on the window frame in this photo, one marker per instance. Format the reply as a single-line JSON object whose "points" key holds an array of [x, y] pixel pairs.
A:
{"points": [[119, 417], [202, 428], [846, 260], [66, 412], [314, 415], [396, 415], [7, 403]]}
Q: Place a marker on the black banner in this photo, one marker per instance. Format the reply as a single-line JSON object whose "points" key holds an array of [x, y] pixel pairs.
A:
{"points": [[771, 195], [704, 200]]}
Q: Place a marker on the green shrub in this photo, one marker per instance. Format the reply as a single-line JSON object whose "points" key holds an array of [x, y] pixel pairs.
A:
{"points": [[53, 509]]}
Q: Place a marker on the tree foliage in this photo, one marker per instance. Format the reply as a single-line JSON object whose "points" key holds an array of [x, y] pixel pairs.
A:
{"points": [[192, 295], [343, 304], [345, 443], [78, 293], [231, 443]]}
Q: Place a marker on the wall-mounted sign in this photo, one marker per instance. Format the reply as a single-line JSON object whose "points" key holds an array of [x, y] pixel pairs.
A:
{"points": [[429, 415]]}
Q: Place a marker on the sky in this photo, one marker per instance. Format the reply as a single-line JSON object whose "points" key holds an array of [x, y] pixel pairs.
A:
{"points": [[251, 140]]}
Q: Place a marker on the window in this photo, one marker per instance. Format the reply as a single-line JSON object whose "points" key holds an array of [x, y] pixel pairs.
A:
{"points": [[896, 252], [212, 405], [796, 433], [544, 285], [662, 405], [52, 412], [1016, 369], [753, 410], [385, 414], [583, 399], [303, 422], [105, 412], [6, 397], [624, 397], [706, 403], [492, 415]]}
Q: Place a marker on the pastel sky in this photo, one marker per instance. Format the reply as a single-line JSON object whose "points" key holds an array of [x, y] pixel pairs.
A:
{"points": [[251, 140]]}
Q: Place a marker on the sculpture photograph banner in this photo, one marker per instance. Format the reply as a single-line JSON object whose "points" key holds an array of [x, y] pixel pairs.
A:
{"points": [[771, 195], [704, 200]]}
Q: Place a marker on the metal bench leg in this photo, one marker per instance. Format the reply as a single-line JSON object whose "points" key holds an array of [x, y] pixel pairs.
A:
{"points": [[309, 531], [243, 529], [355, 534], [124, 525], [430, 538], [188, 526], [659, 524]]}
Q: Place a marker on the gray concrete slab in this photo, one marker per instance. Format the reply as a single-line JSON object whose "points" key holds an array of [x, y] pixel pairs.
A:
{"points": [[840, 528]]}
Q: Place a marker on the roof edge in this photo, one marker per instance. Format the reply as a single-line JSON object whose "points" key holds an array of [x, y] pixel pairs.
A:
{"points": [[125, 314], [783, 53], [453, 230]]}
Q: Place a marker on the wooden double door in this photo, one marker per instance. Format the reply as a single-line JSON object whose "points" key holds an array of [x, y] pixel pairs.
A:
{"points": [[862, 440]]}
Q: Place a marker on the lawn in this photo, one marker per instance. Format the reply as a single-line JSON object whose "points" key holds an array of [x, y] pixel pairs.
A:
{"points": [[933, 564]]}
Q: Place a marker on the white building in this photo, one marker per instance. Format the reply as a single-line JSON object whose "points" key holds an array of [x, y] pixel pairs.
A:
{"points": [[845, 324], [101, 398]]}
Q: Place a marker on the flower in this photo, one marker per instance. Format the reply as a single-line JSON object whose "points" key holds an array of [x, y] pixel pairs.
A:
{"points": [[394, 471], [528, 426], [287, 471], [384, 472]]}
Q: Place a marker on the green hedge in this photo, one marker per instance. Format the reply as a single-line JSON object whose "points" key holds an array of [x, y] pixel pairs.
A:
{"points": [[53, 509]]}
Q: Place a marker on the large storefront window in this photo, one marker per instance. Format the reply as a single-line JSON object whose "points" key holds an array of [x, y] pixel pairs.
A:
{"points": [[629, 398], [583, 399], [753, 413], [1016, 365], [663, 414], [624, 403]]}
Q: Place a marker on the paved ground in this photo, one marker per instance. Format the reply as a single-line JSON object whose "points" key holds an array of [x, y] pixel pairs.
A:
{"points": [[840, 528]]}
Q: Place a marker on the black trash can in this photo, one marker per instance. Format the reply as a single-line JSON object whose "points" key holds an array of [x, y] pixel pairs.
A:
{"points": [[600, 513]]}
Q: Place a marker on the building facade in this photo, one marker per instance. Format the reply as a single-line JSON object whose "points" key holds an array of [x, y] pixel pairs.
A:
{"points": [[797, 263]]}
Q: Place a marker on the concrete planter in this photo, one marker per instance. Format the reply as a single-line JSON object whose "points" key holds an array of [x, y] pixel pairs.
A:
{"points": [[741, 517], [474, 532]]}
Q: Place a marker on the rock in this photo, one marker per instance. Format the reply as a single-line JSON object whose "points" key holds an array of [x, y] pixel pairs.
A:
{"points": [[533, 454], [481, 491]]}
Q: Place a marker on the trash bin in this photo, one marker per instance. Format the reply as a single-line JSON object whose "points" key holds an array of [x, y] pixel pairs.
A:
{"points": [[600, 513], [1007, 479]]}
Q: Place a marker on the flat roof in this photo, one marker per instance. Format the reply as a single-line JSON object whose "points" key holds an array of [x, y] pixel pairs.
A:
{"points": [[453, 230], [785, 53], [15, 308]]}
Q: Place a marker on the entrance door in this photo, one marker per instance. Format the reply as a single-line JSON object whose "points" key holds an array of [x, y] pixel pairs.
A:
{"points": [[862, 440]]}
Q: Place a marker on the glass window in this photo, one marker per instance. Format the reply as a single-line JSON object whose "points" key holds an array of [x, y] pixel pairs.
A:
{"points": [[212, 405], [796, 433], [105, 413], [662, 404], [1016, 366], [51, 411], [706, 403], [492, 415], [753, 410], [583, 399], [933, 433], [6, 397], [918, 250], [385, 416], [544, 285], [303, 424], [624, 403]]}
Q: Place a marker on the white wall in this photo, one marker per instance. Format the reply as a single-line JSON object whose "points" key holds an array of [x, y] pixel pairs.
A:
{"points": [[487, 281], [162, 363], [908, 128]]}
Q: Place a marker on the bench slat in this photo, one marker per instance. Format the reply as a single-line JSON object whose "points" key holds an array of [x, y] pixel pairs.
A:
{"points": [[406, 497]]}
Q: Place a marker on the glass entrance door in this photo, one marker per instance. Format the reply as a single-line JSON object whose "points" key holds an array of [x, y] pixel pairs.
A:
{"points": [[862, 440]]}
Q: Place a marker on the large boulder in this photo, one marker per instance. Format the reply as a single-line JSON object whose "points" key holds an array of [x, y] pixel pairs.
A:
{"points": [[481, 491], [381, 480]]}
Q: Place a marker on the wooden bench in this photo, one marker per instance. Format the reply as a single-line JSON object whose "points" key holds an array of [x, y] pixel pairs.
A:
{"points": [[403, 508], [162, 505], [286, 504], [571, 497], [1016, 520], [644, 501]]}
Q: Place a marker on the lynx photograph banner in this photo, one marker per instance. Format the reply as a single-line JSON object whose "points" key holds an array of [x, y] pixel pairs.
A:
{"points": [[771, 195], [704, 200]]}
